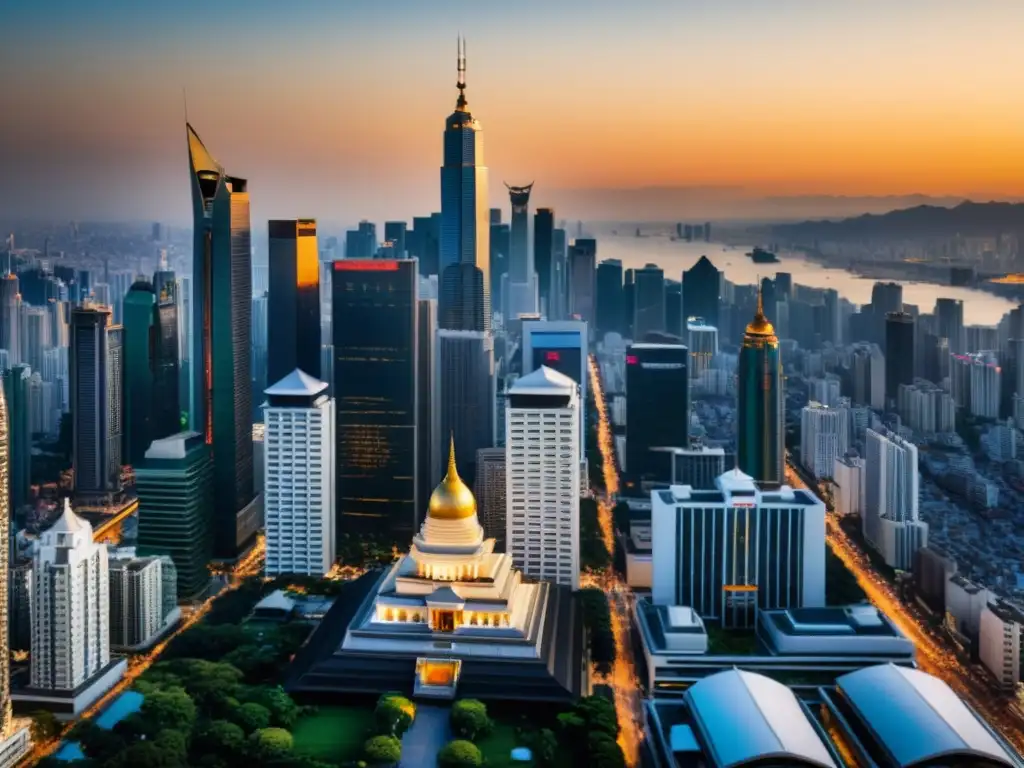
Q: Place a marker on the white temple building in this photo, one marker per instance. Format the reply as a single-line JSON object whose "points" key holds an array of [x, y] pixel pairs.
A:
{"points": [[454, 614]]}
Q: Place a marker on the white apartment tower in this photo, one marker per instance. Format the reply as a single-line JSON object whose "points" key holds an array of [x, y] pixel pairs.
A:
{"points": [[824, 437], [136, 600], [542, 458], [70, 612], [890, 513], [298, 461]]}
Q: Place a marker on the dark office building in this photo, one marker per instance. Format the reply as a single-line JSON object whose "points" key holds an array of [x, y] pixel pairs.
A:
{"points": [[761, 414], [293, 301], [543, 255], [674, 308], [428, 461], [648, 301], [610, 299], [657, 404], [501, 242], [222, 343], [424, 242], [701, 284], [495, 216], [375, 316], [361, 243], [96, 400], [783, 285], [558, 301], [394, 233], [151, 405], [949, 319], [19, 435], [582, 271], [886, 298], [899, 354]]}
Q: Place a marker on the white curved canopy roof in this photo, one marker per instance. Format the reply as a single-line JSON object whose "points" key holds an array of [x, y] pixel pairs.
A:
{"points": [[744, 717], [917, 717]]}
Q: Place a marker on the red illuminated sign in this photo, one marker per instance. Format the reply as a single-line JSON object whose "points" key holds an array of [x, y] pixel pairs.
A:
{"points": [[552, 357], [632, 360], [366, 265]]}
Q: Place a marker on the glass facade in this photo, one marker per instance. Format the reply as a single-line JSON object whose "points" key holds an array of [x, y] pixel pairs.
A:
{"points": [[293, 336], [657, 404], [701, 284], [543, 255], [375, 316], [760, 448]]}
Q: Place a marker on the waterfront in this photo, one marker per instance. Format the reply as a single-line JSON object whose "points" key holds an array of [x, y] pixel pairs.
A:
{"points": [[980, 307]]}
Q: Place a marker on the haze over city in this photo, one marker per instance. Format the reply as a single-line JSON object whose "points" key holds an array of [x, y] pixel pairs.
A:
{"points": [[332, 110]]}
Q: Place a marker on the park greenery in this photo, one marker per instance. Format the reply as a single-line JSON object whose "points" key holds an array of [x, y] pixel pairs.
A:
{"points": [[594, 555], [597, 620], [460, 754]]}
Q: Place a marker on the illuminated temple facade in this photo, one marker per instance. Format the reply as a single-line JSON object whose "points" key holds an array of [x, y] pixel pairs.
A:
{"points": [[452, 615]]}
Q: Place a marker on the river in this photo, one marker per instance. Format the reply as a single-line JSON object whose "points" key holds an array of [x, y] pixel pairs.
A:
{"points": [[980, 308]]}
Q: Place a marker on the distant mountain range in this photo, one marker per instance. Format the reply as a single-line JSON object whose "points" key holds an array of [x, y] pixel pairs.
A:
{"points": [[967, 218]]}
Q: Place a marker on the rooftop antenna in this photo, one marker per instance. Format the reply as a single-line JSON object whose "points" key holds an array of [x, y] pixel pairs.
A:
{"points": [[461, 58]]}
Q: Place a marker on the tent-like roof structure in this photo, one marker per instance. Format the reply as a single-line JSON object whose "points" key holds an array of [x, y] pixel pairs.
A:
{"points": [[298, 383], [543, 381], [917, 718], [745, 718]]}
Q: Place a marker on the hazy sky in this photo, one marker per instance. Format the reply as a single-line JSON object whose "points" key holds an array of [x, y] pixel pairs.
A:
{"points": [[334, 108]]}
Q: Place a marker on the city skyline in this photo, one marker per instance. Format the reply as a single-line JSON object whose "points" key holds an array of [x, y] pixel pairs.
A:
{"points": [[739, 100]]}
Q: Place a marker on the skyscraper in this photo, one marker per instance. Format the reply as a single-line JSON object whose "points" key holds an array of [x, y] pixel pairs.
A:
{"points": [[891, 522], [428, 457], [649, 302], [5, 553], [582, 279], [543, 257], [558, 300], [522, 279], [222, 328], [299, 507], [542, 476], [375, 306], [657, 404], [293, 301], [465, 290], [949, 319], [899, 354], [394, 233], [19, 434], [97, 380], [760, 434], [824, 437], [610, 300], [10, 316], [701, 284], [561, 346], [489, 489], [464, 387]]}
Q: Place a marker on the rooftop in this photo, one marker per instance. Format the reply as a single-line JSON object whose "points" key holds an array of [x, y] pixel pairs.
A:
{"points": [[296, 384], [840, 620], [543, 381]]}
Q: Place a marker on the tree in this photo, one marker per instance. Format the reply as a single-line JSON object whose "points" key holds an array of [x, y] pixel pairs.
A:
{"points": [[604, 752], [174, 746], [218, 737], [284, 712], [597, 619], [44, 726], [271, 743], [382, 750], [469, 719], [170, 708], [251, 717], [97, 743], [394, 714], [593, 552], [599, 714], [544, 746], [460, 754]]}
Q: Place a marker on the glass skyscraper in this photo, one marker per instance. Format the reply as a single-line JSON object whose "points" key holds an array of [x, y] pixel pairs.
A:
{"points": [[222, 321], [465, 290], [657, 405], [293, 301], [760, 448], [701, 284], [543, 256]]}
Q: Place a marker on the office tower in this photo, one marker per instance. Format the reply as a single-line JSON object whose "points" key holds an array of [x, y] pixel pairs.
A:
{"points": [[151, 376], [848, 485], [832, 329], [582, 279], [394, 233], [19, 602], [70, 610], [975, 383], [299, 505], [186, 390], [375, 349], [165, 283], [500, 247], [465, 392], [5, 553], [926, 408], [293, 301], [465, 295], [423, 242], [558, 301], [738, 549], [260, 330], [97, 380], [10, 316], [701, 291], [824, 390], [699, 467], [489, 488], [543, 257], [886, 298], [428, 457], [657, 403], [899, 354], [522, 280], [609, 309], [702, 341], [176, 514], [57, 313], [949, 320], [222, 328], [35, 336], [869, 376], [19, 435], [361, 243], [891, 523], [761, 418], [783, 285], [542, 485], [674, 309], [561, 346], [824, 437], [136, 600]]}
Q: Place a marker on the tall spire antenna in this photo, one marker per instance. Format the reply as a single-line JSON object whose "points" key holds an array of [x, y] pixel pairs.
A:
{"points": [[461, 85]]}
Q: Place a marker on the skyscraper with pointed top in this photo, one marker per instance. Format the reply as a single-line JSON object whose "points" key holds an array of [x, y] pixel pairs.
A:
{"points": [[222, 322], [760, 448], [465, 293]]}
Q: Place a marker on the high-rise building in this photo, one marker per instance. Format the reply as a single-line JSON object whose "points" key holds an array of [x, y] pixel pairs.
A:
{"points": [[423, 242], [522, 279], [737, 549], [5, 553], [824, 438], [465, 293], [648, 301], [561, 346], [394, 233], [489, 488], [701, 291], [890, 514], [975, 383], [899, 354], [869, 376], [582, 279], [674, 309], [222, 328], [260, 323], [19, 435], [293, 301], [136, 600], [702, 341], [558, 301], [35, 335], [761, 449], [465, 392], [361, 243], [610, 308], [500, 246], [70, 611], [175, 487], [97, 380], [375, 306], [10, 317], [949, 323], [543, 257], [542, 476], [657, 404], [299, 504], [848, 485], [428, 457]]}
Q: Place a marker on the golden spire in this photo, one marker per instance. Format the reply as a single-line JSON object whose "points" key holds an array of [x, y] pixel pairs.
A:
{"points": [[452, 499], [760, 325]]}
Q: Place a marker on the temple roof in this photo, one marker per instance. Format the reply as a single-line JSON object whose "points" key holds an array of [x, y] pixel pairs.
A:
{"points": [[543, 381], [452, 499], [298, 383]]}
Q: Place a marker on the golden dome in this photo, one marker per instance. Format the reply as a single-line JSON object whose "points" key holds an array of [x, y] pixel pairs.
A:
{"points": [[452, 499], [760, 326]]}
